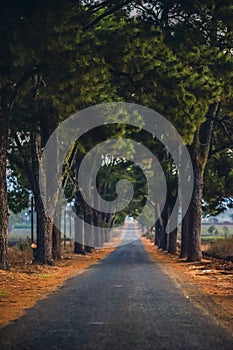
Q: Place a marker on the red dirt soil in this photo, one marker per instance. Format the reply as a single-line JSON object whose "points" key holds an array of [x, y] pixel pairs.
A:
{"points": [[24, 285], [208, 283]]}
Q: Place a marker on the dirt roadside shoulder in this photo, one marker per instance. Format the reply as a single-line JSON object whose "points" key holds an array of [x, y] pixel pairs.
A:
{"points": [[208, 284], [24, 285]]}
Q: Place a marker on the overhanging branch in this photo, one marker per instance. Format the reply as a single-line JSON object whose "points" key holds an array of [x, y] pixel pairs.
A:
{"points": [[26, 76]]}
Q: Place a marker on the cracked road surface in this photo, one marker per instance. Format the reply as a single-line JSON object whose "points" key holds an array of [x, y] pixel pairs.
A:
{"points": [[125, 302]]}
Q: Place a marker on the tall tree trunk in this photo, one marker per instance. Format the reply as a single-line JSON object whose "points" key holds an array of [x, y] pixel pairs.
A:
{"points": [[89, 238], [44, 222], [164, 235], [97, 233], [79, 237], [184, 235], [159, 228], [78, 225], [4, 263], [107, 236], [164, 242], [199, 153], [172, 236], [56, 232], [111, 219], [184, 175], [157, 233], [56, 249], [172, 242], [194, 227], [44, 237], [56, 235]]}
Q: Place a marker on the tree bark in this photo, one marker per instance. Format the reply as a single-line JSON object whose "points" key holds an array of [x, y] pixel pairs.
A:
{"points": [[164, 241], [97, 232], [56, 249], [194, 227], [79, 230], [4, 263], [157, 233], [78, 225], [184, 235], [89, 249], [79, 237], [44, 222], [199, 153], [172, 237], [184, 175], [164, 235], [56, 233], [89, 239], [44, 237], [172, 241]]}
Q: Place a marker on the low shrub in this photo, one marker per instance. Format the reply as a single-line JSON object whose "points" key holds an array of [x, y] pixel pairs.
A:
{"points": [[222, 248], [20, 254]]}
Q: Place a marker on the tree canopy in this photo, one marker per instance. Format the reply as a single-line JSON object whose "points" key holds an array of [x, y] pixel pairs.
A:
{"points": [[60, 57]]}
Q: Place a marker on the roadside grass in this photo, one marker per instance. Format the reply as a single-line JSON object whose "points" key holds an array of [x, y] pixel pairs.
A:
{"points": [[20, 254], [17, 234], [216, 232], [210, 238], [221, 248]]}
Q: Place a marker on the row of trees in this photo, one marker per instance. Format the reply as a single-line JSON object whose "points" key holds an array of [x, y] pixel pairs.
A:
{"points": [[172, 56]]}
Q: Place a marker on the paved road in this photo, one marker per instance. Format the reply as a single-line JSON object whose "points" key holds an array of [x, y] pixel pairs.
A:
{"points": [[125, 302]]}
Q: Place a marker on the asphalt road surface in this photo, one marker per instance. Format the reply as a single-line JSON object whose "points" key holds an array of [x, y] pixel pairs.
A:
{"points": [[125, 302]]}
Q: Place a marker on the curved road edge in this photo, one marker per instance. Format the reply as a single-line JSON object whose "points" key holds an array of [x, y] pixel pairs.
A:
{"points": [[205, 303]]}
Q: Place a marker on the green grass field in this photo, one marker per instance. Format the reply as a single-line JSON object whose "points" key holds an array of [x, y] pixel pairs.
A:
{"points": [[22, 234], [209, 238], [220, 228], [221, 248]]}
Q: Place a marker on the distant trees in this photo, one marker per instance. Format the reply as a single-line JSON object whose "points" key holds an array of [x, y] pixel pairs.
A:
{"points": [[212, 230]]}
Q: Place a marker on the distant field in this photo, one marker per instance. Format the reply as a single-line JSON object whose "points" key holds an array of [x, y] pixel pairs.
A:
{"points": [[209, 238], [22, 234], [19, 233], [221, 248], [219, 227]]}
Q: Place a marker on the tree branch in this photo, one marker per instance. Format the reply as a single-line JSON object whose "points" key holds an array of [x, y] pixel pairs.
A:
{"points": [[25, 159], [107, 12], [227, 132], [26, 76]]}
